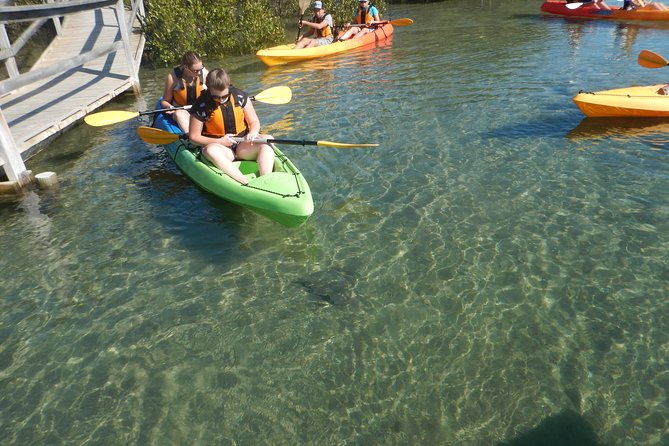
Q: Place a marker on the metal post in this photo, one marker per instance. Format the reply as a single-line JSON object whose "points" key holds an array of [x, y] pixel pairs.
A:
{"points": [[56, 22], [9, 152], [5, 44], [140, 10], [119, 10]]}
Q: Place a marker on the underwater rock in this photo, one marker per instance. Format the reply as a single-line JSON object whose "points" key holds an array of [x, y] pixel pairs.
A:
{"points": [[334, 286]]}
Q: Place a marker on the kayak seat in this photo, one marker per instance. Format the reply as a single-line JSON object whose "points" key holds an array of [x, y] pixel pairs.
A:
{"points": [[247, 167]]}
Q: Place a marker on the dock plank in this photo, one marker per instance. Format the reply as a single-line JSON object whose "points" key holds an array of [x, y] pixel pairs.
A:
{"points": [[40, 111]]}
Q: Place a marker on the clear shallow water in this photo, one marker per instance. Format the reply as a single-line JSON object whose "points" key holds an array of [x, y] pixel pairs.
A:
{"points": [[496, 262]]}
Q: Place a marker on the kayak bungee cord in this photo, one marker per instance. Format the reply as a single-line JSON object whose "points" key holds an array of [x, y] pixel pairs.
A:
{"points": [[184, 143], [218, 172], [297, 194], [621, 95]]}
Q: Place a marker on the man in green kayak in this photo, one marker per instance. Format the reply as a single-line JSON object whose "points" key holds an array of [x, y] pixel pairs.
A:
{"points": [[320, 26], [221, 112]]}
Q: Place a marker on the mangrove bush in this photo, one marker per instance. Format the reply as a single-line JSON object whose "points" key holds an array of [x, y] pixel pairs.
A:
{"points": [[215, 28]]}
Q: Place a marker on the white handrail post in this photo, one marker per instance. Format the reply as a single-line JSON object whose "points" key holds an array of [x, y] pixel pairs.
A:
{"points": [[56, 22], [14, 167], [119, 9], [139, 5], [5, 44]]}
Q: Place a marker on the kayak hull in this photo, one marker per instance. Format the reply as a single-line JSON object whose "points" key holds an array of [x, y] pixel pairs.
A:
{"points": [[652, 11], [637, 102], [282, 196], [284, 54]]}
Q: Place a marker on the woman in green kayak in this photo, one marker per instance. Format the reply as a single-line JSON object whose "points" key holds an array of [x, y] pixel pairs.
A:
{"points": [[221, 112], [183, 85]]}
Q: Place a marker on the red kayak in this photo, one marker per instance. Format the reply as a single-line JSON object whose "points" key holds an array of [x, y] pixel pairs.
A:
{"points": [[652, 11]]}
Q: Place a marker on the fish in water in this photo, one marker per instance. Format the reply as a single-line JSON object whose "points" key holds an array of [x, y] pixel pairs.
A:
{"points": [[334, 286]]}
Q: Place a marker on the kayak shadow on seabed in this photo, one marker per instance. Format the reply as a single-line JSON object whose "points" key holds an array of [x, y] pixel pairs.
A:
{"points": [[593, 128], [566, 428], [546, 126]]}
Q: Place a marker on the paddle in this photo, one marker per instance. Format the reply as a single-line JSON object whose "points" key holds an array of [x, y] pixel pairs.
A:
{"points": [[157, 136], [396, 22], [650, 59], [115, 116], [275, 95], [304, 4]]}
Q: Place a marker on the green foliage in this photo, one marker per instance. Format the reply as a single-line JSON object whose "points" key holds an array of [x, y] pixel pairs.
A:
{"points": [[210, 28], [256, 27], [284, 8], [214, 28]]}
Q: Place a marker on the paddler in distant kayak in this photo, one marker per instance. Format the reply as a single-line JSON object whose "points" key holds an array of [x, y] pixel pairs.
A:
{"points": [[320, 26], [182, 86], [597, 4], [629, 5], [223, 111], [366, 14]]}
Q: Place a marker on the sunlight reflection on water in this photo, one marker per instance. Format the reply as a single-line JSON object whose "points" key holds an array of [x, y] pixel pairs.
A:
{"points": [[497, 261]]}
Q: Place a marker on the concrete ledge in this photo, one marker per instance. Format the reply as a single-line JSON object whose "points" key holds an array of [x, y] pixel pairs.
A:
{"points": [[17, 187]]}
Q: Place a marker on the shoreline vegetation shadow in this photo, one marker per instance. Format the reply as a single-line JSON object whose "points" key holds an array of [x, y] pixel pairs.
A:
{"points": [[566, 428]]}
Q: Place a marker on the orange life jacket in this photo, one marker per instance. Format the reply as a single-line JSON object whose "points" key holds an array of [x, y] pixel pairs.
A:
{"points": [[226, 118], [325, 32], [185, 93], [367, 18]]}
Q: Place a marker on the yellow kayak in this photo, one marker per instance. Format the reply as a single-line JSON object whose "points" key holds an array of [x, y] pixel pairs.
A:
{"points": [[283, 54], [624, 102]]}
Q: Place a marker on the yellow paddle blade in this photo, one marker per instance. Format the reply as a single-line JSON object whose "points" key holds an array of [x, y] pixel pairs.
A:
{"points": [[401, 22], [109, 117], [275, 95], [343, 145], [650, 59], [156, 136], [304, 4]]}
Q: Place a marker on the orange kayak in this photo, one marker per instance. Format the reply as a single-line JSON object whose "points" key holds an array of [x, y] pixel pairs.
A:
{"points": [[283, 54], [624, 102], [652, 11]]}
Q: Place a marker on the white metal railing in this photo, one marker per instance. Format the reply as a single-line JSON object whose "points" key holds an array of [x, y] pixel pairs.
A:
{"points": [[39, 14]]}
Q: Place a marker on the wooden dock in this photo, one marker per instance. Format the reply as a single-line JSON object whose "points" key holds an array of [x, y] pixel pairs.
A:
{"points": [[39, 111]]}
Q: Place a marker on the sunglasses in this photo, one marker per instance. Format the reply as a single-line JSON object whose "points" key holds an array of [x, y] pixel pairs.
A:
{"points": [[195, 71], [221, 98]]}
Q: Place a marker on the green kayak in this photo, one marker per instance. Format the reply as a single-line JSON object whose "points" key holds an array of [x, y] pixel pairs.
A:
{"points": [[283, 196]]}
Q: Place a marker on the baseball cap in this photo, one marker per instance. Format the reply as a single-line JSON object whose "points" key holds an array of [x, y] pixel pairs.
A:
{"points": [[318, 5]]}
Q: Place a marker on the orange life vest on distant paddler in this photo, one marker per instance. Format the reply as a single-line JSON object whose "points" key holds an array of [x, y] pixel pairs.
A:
{"points": [[185, 93], [367, 18], [325, 32]]}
